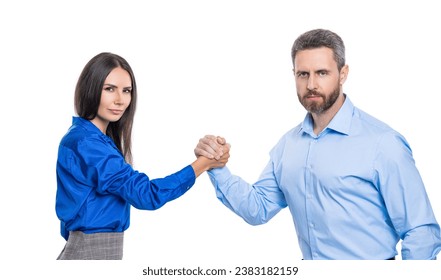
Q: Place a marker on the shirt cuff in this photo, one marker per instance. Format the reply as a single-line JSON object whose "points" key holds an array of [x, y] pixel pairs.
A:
{"points": [[187, 177], [219, 176]]}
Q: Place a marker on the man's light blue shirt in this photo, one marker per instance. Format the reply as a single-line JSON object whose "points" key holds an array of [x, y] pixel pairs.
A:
{"points": [[353, 191]]}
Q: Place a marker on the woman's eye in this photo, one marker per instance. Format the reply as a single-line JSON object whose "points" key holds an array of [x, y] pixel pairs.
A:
{"points": [[108, 89]]}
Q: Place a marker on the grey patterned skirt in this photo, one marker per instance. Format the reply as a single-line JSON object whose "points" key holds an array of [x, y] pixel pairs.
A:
{"points": [[93, 246]]}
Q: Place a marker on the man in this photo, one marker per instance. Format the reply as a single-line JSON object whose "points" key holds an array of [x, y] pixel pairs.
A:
{"points": [[349, 180]]}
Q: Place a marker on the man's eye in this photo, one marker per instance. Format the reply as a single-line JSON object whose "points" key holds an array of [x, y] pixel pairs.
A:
{"points": [[323, 73], [302, 75]]}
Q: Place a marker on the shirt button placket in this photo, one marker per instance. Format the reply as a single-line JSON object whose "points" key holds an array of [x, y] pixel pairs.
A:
{"points": [[309, 184]]}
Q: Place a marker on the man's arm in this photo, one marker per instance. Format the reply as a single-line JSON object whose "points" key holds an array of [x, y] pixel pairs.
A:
{"points": [[255, 203], [406, 199]]}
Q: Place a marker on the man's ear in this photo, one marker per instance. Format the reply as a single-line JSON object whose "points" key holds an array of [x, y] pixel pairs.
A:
{"points": [[344, 74]]}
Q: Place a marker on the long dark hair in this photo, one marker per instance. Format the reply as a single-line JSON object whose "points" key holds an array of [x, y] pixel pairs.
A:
{"points": [[88, 96]]}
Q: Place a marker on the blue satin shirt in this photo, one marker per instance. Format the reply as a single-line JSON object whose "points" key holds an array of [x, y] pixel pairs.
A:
{"points": [[96, 187], [353, 191]]}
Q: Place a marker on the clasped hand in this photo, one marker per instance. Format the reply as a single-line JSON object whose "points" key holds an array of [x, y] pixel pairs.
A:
{"points": [[213, 147]]}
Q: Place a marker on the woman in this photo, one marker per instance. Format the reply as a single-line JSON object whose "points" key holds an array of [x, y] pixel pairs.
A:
{"points": [[96, 184]]}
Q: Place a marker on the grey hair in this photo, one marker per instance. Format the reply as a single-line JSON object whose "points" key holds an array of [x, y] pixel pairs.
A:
{"points": [[318, 38]]}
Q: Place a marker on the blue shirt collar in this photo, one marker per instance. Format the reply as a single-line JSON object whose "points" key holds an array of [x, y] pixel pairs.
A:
{"points": [[90, 127], [87, 124], [340, 123]]}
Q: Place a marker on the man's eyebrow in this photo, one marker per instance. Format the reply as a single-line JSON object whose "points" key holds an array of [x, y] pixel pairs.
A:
{"points": [[301, 71]]}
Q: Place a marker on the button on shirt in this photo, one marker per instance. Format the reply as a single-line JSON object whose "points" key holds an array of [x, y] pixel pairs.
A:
{"points": [[353, 191], [96, 187]]}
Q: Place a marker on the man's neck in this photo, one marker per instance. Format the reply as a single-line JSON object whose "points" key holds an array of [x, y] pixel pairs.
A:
{"points": [[322, 120]]}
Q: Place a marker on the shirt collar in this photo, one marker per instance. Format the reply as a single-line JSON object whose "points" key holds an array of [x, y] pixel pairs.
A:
{"points": [[90, 127], [87, 124], [340, 123]]}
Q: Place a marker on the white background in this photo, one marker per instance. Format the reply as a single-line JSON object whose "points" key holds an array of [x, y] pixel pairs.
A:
{"points": [[202, 67]]}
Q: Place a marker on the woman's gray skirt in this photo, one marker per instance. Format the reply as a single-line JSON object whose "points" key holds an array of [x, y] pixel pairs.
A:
{"points": [[93, 246]]}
